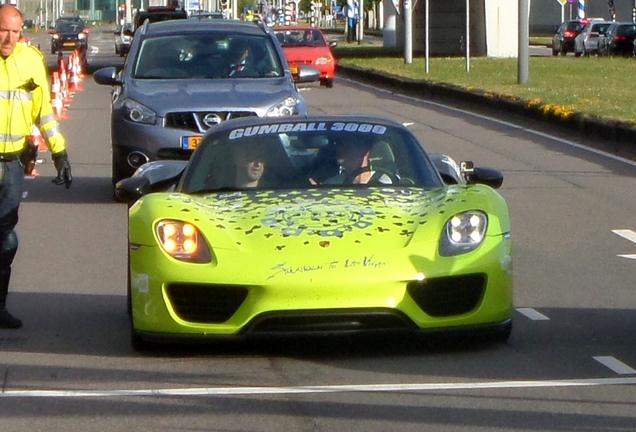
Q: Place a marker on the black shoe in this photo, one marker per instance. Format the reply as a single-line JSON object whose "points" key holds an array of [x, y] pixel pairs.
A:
{"points": [[8, 321]]}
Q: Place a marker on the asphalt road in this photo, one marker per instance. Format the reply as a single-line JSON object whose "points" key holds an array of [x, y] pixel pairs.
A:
{"points": [[569, 365]]}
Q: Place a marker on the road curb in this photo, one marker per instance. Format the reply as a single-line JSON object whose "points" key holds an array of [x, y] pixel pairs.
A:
{"points": [[584, 124]]}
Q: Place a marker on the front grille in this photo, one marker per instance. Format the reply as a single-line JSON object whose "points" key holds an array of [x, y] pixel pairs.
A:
{"points": [[342, 321], [209, 304], [194, 121], [448, 296]]}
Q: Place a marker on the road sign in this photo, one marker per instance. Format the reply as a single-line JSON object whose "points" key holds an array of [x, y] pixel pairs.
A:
{"points": [[562, 2]]}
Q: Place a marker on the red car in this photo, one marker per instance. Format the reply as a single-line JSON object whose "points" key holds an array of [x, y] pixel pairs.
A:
{"points": [[307, 45]]}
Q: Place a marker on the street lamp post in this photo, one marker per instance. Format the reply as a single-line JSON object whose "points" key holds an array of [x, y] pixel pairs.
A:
{"points": [[524, 41]]}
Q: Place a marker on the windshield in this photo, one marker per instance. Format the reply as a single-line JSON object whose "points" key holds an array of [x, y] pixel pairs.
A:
{"points": [[601, 28], [296, 38], [69, 27], [627, 30], [207, 55], [309, 155]]}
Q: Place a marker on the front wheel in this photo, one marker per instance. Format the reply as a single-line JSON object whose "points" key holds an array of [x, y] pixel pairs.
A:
{"points": [[139, 344], [500, 335], [327, 82]]}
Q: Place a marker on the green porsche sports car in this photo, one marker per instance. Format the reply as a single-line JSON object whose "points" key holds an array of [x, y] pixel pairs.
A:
{"points": [[319, 224]]}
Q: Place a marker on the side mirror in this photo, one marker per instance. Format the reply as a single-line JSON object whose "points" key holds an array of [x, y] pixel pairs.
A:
{"points": [[307, 74], [131, 189], [106, 76], [153, 176], [333, 44], [488, 176]]}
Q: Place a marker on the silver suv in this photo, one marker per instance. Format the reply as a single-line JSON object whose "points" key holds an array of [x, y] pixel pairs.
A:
{"points": [[183, 77]]}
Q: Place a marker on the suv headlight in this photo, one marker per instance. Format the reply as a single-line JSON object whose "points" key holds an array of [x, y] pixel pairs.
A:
{"points": [[81, 36], [463, 233], [182, 241], [136, 112], [288, 107]]}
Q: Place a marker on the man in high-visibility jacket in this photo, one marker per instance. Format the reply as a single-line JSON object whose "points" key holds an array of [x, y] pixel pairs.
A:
{"points": [[25, 101]]}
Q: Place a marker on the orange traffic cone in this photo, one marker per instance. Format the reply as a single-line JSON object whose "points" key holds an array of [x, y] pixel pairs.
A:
{"points": [[66, 95], [69, 64], [75, 78], [58, 106], [55, 84], [37, 138], [77, 65]]}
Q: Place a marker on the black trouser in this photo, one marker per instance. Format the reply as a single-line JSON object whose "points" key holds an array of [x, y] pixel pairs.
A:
{"points": [[11, 189]]}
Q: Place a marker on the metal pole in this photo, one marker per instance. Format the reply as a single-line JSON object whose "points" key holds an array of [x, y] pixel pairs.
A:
{"points": [[128, 4], [581, 13], [408, 32], [524, 41], [563, 12], [467, 35], [427, 26]]}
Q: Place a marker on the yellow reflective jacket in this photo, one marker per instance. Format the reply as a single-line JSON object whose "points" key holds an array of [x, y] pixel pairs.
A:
{"points": [[25, 100]]}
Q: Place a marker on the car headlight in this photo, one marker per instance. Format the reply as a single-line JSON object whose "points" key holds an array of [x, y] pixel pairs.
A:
{"points": [[288, 107], [323, 60], [182, 241], [136, 112], [56, 36], [81, 36], [463, 233]]}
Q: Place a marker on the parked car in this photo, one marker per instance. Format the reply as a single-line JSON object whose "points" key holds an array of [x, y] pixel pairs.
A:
{"points": [[563, 40], [346, 223], [184, 77], [618, 40], [157, 14], [586, 42], [123, 38], [307, 45], [70, 34]]}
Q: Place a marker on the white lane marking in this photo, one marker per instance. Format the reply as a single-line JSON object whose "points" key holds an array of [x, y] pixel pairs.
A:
{"points": [[628, 235], [532, 314], [614, 364], [384, 388], [501, 122]]}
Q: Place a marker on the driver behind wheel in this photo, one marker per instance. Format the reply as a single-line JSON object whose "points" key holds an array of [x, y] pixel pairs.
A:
{"points": [[353, 162]]}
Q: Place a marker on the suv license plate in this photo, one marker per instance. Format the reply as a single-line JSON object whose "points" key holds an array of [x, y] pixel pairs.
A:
{"points": [[190, 142]]}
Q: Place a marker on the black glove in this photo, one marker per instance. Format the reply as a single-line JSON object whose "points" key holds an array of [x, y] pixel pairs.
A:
{"points": [[63, 167]]}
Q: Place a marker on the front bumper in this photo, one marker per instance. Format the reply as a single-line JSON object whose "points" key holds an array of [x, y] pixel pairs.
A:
{"points": [[68, 45], [236, 306]]}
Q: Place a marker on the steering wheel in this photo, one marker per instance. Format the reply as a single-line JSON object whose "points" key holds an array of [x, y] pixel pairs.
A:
{"points": [[375, 178], [247, 71]]}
